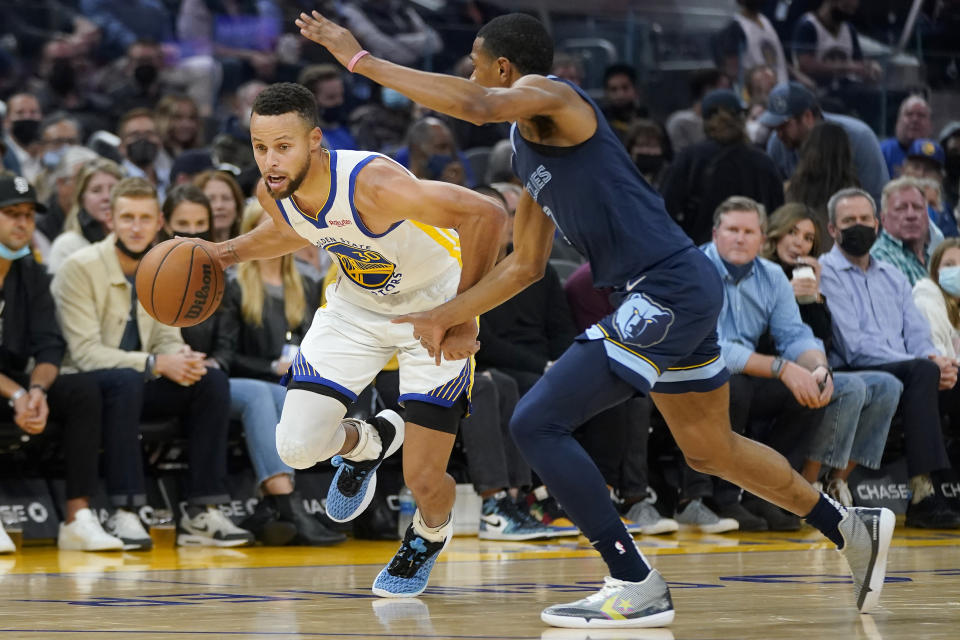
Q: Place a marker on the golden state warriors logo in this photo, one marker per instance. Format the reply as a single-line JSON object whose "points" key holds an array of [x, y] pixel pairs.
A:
{"points": [[365, 267]]}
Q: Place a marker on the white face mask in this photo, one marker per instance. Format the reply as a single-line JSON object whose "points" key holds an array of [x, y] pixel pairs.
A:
{"points": [[949, 278]]}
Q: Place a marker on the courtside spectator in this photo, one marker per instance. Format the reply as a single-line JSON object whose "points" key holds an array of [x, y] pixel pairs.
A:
{"points": [[145, 370], [925, 161], [178, 124], [914, 121], [21, 136], [685, 127], [793, 111], [876, 325], [758, 84], [747, 41], [908, 237], [143, 156], [326, 84], [226, 200], [621, 98], [650, 149], [826, 47], [950, 141]]}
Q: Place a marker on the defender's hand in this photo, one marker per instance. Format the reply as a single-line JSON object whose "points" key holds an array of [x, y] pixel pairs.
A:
{"points": [[460, 342], [335, 38]]}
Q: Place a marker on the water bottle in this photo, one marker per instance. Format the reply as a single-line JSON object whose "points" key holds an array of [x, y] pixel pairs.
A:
{"points": [[407, 507]]}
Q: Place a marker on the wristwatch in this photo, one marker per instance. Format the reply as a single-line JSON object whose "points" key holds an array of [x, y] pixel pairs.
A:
{"points": [[776, 367], [150, 370], [19, 393]]}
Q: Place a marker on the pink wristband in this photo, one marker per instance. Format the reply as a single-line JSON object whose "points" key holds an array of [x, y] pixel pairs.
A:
{"points": [[355, 59]]}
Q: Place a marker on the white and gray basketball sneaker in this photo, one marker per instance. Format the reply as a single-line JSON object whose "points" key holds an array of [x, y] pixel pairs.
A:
{"points": [[211, 528], [866, 540], [617, 604]]}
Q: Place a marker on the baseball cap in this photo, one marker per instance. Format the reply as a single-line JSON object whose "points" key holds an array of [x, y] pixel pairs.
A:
{"points": [[787, 100], [16, 190], [928, 149], [720, 99]]}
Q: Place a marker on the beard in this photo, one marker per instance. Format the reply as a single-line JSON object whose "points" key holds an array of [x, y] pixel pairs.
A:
{"points": [[294, 182]]}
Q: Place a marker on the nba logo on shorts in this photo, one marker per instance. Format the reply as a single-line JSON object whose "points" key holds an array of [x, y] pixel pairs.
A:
{"points": [[642, 322]]}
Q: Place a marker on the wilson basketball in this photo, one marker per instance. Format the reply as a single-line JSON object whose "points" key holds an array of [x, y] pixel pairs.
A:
{"points": [[178, 283]]}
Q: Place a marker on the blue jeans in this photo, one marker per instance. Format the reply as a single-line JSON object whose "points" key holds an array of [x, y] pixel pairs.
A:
{"points": [[258, 404], [855, 425]]}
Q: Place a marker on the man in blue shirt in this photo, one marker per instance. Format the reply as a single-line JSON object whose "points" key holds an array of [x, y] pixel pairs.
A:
{"points": [[793, 111], [914, 121], [877, 326]]}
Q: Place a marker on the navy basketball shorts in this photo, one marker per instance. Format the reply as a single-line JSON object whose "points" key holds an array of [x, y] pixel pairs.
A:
{"points": [[663, 335]]}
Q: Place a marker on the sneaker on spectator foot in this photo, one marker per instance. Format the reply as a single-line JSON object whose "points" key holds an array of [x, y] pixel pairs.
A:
{"points": [[544, 508], [211, 528], [86, 534], [932, 512], [617, 604], [648, 520], [700, 516], [6, 544], [866, 540], [407, 574], [839, 490], [747, 521], [777, 519], [501, 519], [355, 483], [126, 525]]}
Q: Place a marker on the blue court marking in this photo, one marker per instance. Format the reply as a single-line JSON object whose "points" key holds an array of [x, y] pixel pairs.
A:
{"points": [[132, 578], [175, 599], [804, 578], [296, 634]]}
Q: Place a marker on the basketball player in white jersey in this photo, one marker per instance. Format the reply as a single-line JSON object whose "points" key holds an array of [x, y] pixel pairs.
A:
{"points": [[403, 245]]}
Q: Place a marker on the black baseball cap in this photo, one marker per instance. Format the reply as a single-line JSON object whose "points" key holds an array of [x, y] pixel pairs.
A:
{"points": [[725, 99], [787, 100], [16, 190]]}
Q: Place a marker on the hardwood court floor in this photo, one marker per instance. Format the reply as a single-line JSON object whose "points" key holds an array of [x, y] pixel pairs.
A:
{"points": [[724, 587]]}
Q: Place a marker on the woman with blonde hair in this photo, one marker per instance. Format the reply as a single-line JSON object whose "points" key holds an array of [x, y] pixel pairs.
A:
{"points": [[88, 218], [227, 201], [267, 308]]}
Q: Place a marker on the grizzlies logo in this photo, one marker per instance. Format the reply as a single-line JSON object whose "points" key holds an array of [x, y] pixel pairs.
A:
{"points": [[641, 322], [367, 268]]}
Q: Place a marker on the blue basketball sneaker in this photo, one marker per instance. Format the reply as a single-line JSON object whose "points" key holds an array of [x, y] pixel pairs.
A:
{"points": [[355, 483], [407, 574]]}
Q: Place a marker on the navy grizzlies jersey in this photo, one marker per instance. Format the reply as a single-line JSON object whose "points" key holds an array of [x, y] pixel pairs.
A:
{"points": [[599, 202]]}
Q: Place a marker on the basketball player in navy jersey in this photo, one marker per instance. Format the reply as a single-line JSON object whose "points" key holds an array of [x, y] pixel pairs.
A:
{"points": [[661, 340]]}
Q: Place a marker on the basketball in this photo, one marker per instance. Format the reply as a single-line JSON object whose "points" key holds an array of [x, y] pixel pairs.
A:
{"points": [[178, 283]]}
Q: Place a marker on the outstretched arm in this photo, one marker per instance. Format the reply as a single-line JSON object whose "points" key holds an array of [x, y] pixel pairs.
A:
{"points": [[530, 96], [532, 242]]}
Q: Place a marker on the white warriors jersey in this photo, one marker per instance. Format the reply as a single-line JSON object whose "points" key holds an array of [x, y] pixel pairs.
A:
{"points": [[411, 267]]}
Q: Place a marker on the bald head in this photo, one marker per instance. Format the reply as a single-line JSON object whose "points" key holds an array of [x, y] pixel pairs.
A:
{"points": [[913, 120]]}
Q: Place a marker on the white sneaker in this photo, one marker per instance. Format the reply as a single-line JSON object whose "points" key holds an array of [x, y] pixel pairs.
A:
{"points": [[127, 526], [86, 534], [211, 528], [698, 515], [839, 490], [649, 521], [6, 544]]}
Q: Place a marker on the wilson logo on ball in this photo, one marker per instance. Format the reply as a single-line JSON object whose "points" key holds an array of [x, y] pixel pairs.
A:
{"points": [[201, 295]]}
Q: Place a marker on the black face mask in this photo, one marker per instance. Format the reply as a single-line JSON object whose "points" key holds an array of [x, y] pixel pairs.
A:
{"points": [[62, 78], [839, 15], [145, 74], [858, 239], [142, 152], [133, 255], [753, 5], [25, 132], [953, 164], [648, 164], [200, 235], [332, 115]]}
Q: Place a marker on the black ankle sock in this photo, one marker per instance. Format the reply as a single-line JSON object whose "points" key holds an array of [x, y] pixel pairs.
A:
{"points": [[621, 554], [826, 516]]}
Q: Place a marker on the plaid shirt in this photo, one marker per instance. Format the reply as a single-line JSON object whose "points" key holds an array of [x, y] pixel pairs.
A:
{"points": [[893, 251]]}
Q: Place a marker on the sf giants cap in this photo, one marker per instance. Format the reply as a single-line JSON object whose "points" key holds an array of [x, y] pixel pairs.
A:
{"points": [[786, 101], [16, 190]]}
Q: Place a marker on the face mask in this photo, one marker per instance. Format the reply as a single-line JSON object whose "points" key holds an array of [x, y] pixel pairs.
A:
{"points": [[753, 5], [953, 164], [133, 255], [200, 235], [437, 163], [858, 239], [950, 280], [142, 152], [737, 271], [25, 132], [7, 254], [332, 115], [839, 15], [648, 163], [145, 74], [52, 158], [62, 79], [393, 99]]}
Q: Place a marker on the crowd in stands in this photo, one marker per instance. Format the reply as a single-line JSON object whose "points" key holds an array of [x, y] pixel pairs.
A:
{"points": [[124, 124]]}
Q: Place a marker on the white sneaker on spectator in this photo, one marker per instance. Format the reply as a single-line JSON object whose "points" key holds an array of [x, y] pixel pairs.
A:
{"points": [[211, 528], [839, 490], [698, 515], [649, 521], [127, 526], [6, 544], [86, 534]]}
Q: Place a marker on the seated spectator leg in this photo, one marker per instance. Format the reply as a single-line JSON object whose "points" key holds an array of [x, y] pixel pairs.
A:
{"points": [[634, 471], [793, 424], [252, 401], [75, 405], [833, 438], [883, 392], [518, 471], [482, 439], [604, 438], [121, 391]]}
